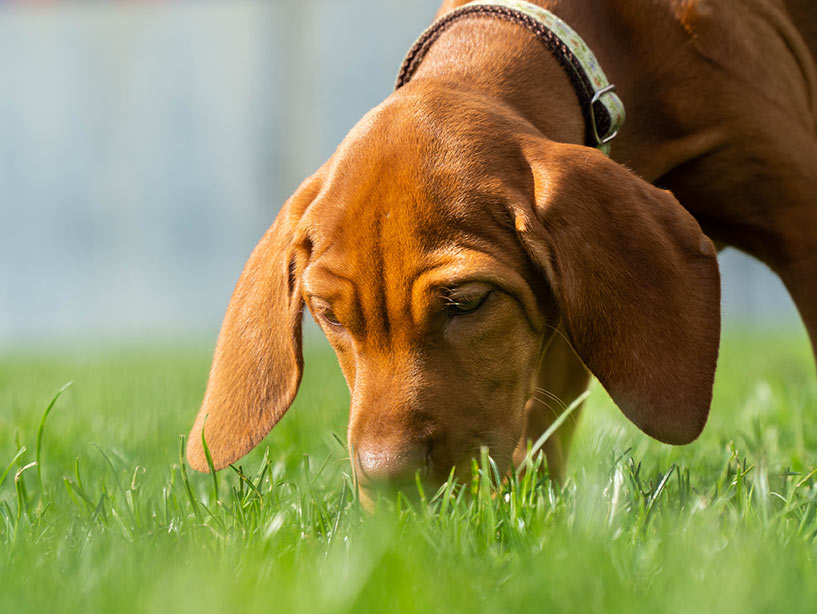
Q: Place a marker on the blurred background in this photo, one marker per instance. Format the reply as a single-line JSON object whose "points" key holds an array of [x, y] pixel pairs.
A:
{"points": [[146, 146]]}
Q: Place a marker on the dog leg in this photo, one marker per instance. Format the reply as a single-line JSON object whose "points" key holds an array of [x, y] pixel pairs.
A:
{"points": [[769, 213], [800, 278], [795, 259], [561, 378]]}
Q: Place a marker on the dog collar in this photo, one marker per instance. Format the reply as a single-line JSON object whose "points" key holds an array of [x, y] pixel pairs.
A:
{"points": [[602, 109]]}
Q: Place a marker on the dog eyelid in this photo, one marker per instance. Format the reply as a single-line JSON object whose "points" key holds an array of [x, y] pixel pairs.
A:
{"points": [[329, 317], [324, 312], [466, 304], [326, 315]]}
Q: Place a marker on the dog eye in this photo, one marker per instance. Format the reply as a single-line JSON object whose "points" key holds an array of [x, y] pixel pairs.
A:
{"points": [[329, 317], [461, 306]]}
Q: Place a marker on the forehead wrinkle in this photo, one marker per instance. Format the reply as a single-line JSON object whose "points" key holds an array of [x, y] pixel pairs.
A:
{"points": [[323, 281], [313, 286], [401, 274], [371, 246], [401, 252], [408, 181], [388, 241], [473, 263]]}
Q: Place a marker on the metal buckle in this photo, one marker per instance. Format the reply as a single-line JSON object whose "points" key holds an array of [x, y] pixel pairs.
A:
{"points": [[596, 97]]}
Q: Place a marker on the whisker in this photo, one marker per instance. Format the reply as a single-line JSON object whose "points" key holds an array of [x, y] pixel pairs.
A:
{"points": [[550, 407], [560, 333], [546, 404], [552, 396]]}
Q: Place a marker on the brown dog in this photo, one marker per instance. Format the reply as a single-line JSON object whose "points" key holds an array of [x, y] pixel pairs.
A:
{"points": [[462, 243]]}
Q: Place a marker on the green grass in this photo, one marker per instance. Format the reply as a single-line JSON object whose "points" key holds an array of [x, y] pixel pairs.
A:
{"points": [[111, 520]]}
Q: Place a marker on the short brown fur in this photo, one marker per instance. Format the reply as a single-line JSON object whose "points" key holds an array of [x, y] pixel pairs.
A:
{"points": [[469, 184]]}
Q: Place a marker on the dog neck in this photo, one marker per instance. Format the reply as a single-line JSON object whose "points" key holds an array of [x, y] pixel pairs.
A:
{"points": [[505, 62], [502, 61], [602, 108]]}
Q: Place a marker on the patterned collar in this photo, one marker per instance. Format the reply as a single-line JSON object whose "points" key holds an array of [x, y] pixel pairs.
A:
{"points": [[602, 109]]}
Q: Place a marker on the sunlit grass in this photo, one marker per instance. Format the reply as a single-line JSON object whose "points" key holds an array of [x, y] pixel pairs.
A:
{"points": [[98, 511]]}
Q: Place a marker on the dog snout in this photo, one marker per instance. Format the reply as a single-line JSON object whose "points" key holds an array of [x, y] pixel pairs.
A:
{"points": [[394, 467]]}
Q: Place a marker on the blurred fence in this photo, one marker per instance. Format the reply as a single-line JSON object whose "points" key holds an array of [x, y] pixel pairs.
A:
{"points": [[144, 148]]}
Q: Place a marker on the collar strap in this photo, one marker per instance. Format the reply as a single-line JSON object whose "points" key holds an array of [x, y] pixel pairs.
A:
{"points": [[602, 109]]}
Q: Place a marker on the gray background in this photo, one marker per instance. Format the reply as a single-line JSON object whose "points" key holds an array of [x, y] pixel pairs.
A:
{"points": [[144, 148]]}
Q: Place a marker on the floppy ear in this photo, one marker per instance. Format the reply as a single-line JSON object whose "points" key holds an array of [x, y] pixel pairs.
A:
{"points": [[636, 281], [258, 361]]}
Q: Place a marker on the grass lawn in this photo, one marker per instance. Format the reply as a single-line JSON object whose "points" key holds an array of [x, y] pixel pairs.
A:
{"points": [[111, 521]]}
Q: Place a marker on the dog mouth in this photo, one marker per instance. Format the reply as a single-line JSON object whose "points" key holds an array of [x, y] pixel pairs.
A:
{"points": [[418, 474]]}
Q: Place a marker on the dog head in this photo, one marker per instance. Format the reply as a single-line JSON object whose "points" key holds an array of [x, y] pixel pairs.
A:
{"points": [[438, 249]]}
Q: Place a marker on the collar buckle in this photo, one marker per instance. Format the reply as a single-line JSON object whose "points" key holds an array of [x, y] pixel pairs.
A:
{"points": [[601, 140]]}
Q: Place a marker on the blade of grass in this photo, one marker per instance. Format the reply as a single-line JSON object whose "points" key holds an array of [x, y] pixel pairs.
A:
{"points": [[17, 456], [556, 424], [119, 486], [194, 504], [210, 465], [657, 493], [75, 490], [337, 516], [40, 429], [448, 489], [21, 497]]}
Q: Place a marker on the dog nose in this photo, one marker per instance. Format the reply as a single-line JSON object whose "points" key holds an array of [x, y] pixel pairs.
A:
{"points": [[391, 467]]}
